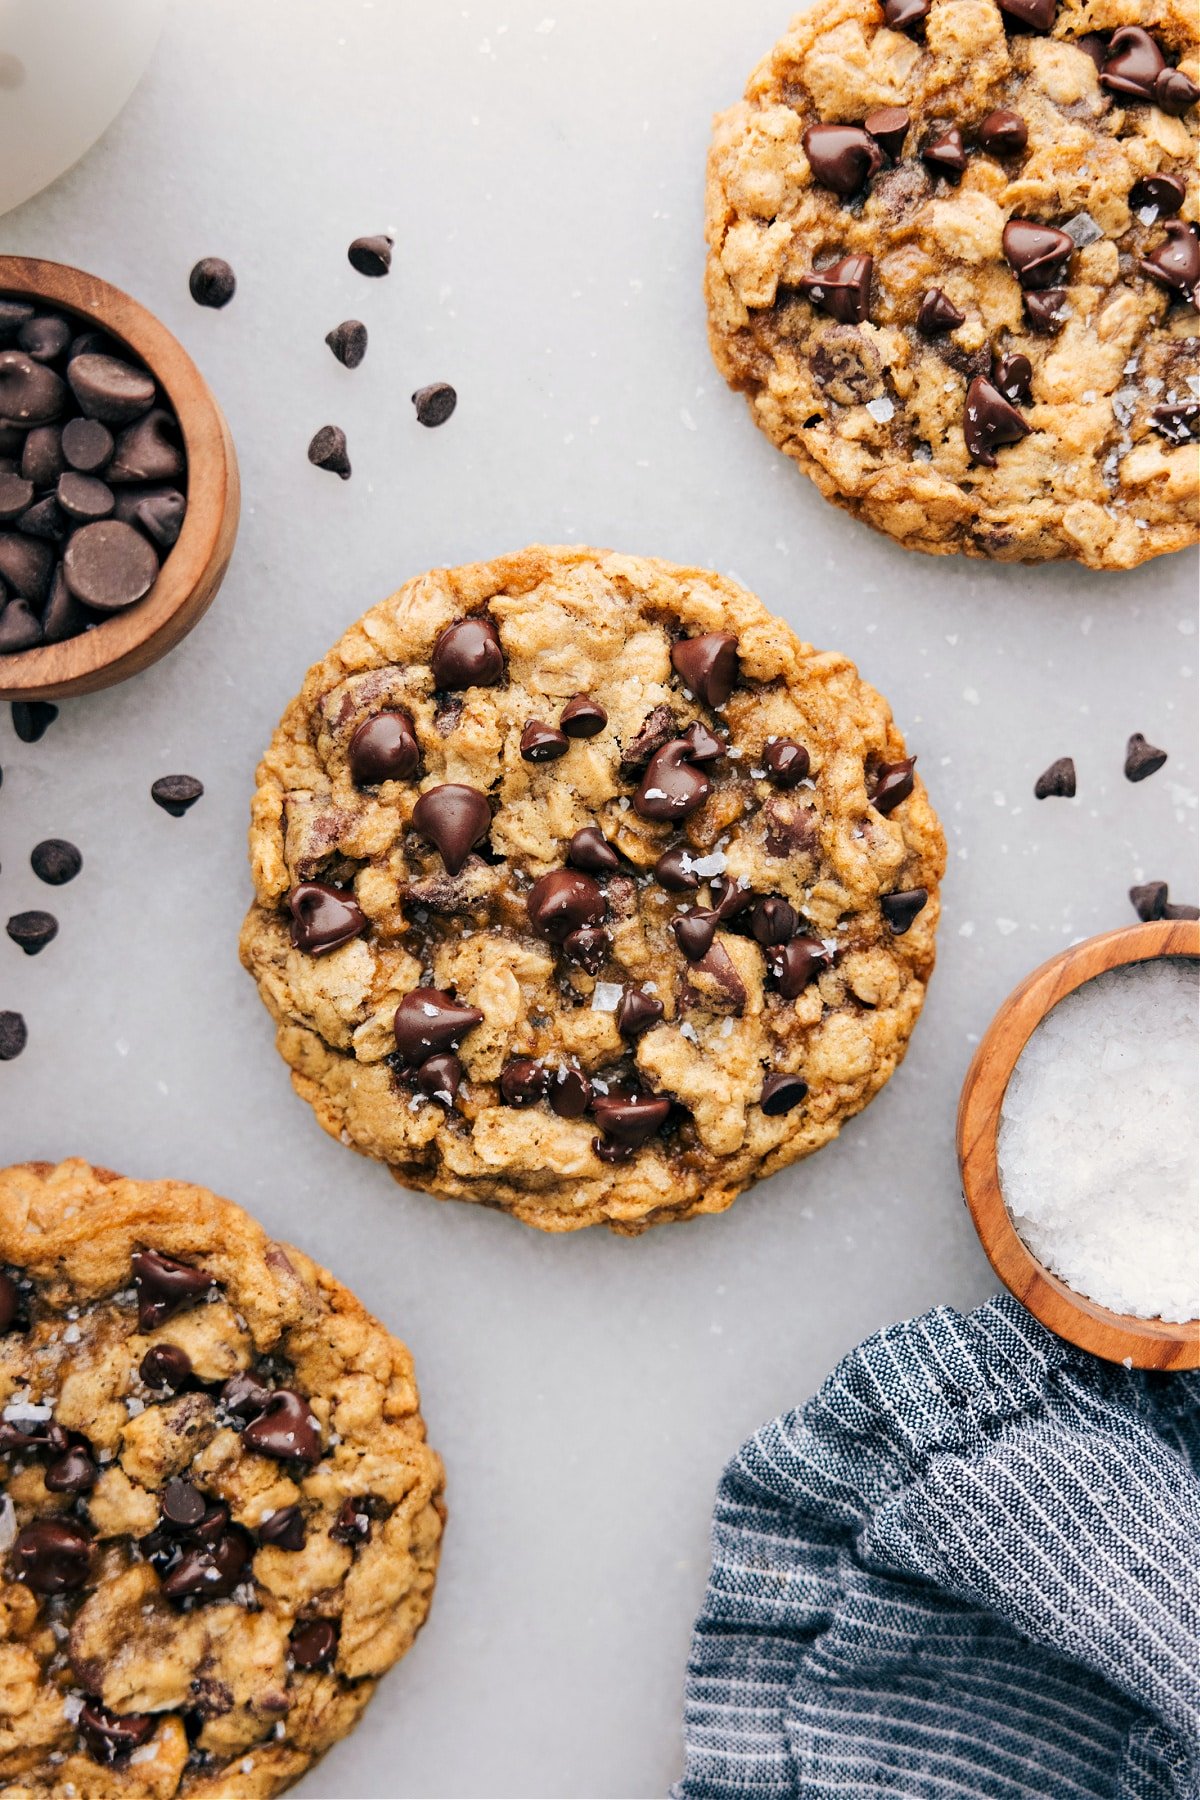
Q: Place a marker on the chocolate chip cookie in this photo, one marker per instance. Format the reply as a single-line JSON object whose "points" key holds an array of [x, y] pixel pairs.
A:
{"points": [[219, 1517], [584, 890], [953, 265]]}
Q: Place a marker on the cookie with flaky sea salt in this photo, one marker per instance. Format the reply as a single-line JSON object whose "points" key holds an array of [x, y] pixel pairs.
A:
{"points": [[219, 1517], [953, 265], [585, 890]]}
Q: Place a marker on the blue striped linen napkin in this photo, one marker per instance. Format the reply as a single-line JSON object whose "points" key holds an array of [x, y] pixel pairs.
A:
{"points": [[969, 1567]]}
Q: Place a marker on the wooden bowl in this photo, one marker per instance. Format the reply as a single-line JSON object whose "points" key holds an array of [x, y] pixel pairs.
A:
{"points": [[193, 571], [1119, 1337]]}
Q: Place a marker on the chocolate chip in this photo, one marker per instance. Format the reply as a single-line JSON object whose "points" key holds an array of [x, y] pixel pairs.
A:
{"points": [[588, 946], [1149, 900], [1057, 782], [891, 783], [159, 513], [313, 1645], [937, 313], [1178, 424], [637, 1012], [429, 1020], [591, 851], [900, 909], [45, 519], [108, 389], [1175, 265], [1172, 911], [561, 902], [842, 158], [570, 1094], [327, 450], [165, 1366], [1165, 193], [672, 786], [149, 450], [13, 314], [87, 445], [989, 421], [286, 1429], [384, 748], [1012, 374], [454, 818], [283, 1528], [1142, 759], [51, 1556], [9, 1292], [14, 1035], [1003, 133], [371, 255], [842, 289], [183, 1505], [109, 565], [42, 457], [83, 498], [165, 1287], [212, 282], [787, 762], [707, 665], [434, 403], [1037, 254], [209, 1571], [32, 931], [656, 728], [731, 897], [16, 494], [244, 1396], [703, 746], [20, 628], [773, 921], [1047, 312], [583, 717], [468, 654], [27, 566], [946, 154], [323, 917], [523, 1082], [74, 1472], [781, 1093], [110, 1737], [543, 743], [906, 15], [611, 1152], [1132, 63], [352, 1526], [30, 394], [440, 1077], [794, 964], [673, 871], [91, 343], [1030, 15], [695, 931], [348, 341], [633, 1121], [1175, 92], [888, 125]]}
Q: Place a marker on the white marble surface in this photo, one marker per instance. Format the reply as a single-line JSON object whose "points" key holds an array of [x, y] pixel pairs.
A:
{"points": [[541, 163]]}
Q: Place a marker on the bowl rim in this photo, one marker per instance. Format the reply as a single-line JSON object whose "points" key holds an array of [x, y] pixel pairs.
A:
{"points": [[1117, 1337], [191, 573]]}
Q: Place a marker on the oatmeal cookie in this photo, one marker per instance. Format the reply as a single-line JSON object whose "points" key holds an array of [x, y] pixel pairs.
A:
{"points": [[953, 265], [219, 1517], [584, 890]]}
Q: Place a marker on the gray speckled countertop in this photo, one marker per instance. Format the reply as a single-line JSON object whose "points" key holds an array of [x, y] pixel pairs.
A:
{"points": [[541, 163]]}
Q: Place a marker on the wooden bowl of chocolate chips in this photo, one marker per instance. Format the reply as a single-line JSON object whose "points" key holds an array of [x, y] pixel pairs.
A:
{"points": [[119, 493]]}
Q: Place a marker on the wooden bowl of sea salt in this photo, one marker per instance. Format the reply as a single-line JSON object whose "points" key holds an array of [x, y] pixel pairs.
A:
{"points": [[1077, 1145]]}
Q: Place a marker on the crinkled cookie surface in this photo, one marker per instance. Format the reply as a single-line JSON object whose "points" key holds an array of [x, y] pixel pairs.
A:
{"points": [[1091, 452], [219, 1515], [585, 890]]}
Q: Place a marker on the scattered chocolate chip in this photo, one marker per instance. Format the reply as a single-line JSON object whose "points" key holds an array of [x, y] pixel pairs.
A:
{"points": [[1132, 63], [637, 1012], [165, 1287], [891, 783], [591, 851], [327, 450], [937, 313], [352, 1526], [108, 389], [283, 1528], [1175, 265], [183, 1505], [244, 1396], [434, 403], [1057, 782], [1047, 311], [906, 15], [1003, 133], [900, 909], [384, 748], [110, 1737], [32, 931], [570, 1094], [781, 1093], [633, 1121], [703, 746], [695, 931], [176, 793], [672, 786], [212, 282], [888, 125], [348, 341], [429, 1020], [1175, 92], [1037, 254], [323, 917], [30, 394], [165, 1366], [74, 1472], [842, 289], [9, 1294], [989, 421], [209, 1571], [454, 818], [86, 444], [371, 255], [440, 1077], [286, 1429], [582, 717], [1149, 900], [1030, 15], [543, 743], [1142, 759], [773, 921], [674, 872], [1012, 374], [468, 654], [51, 1556], [313, 1645], [794, 964], [708, 665], [945, 154], [523, 1082], [588, 946], [787, 762], [842, 158], [1179, 423], [20, 628], [14, 1035]]}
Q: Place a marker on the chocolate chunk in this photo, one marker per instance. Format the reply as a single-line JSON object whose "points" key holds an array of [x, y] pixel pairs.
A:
{"points": [[9, 1292], [588, 946], [1057, 782], [16, 494], [32, 930], [708, 665], [244, 1396], [30, 393], [1012, 374], [51, 1556], [1037, 254], [906, 15], [440, 1077], [429, 1020], [773, 921], [570, 1094], [55, 861], [632, 1121], [543, 743], [149, 450], [695, 931], [283, 1528], [842, 158], [14, 1035], [434, 403], [989, 421], [84, 498], [781, 1094], [637, 1012], [352, 1526], [323, 917], [165, 1366], [74, 1472], [523, 1082], [87, 445], [454, 818], [1149, 900], [937, 313], [371, 255], [1047, 312], [946, 154], [900, 909], [165, 1287], [286, 1429], [584, 717], [313, 1644], [1175, 92], [1142, 759], [1175, 265], [654, 731], [348, 341], [703, 746], [1030, 15], [1003, 133], [384, 748], [1165, 193], [109, 390], [888, 125], [794, 964], [20, 628], [183, 1505], [842, 289], [42, 457], [468, 654], [591, 851], [212, 282], [1178, 424], [327, 450], [715, 983], [209, 1572], [27, 566], [561, 902], [32, 719], [891, 783], [787, 762], [672, 786], [111, 1738], [674, 872], [1132, 63], [176, 793], [109, 565]]}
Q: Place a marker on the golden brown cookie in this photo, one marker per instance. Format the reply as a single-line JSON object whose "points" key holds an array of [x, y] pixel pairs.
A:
{"points": [[953, 266], [219, 1516], [585, 890]]}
